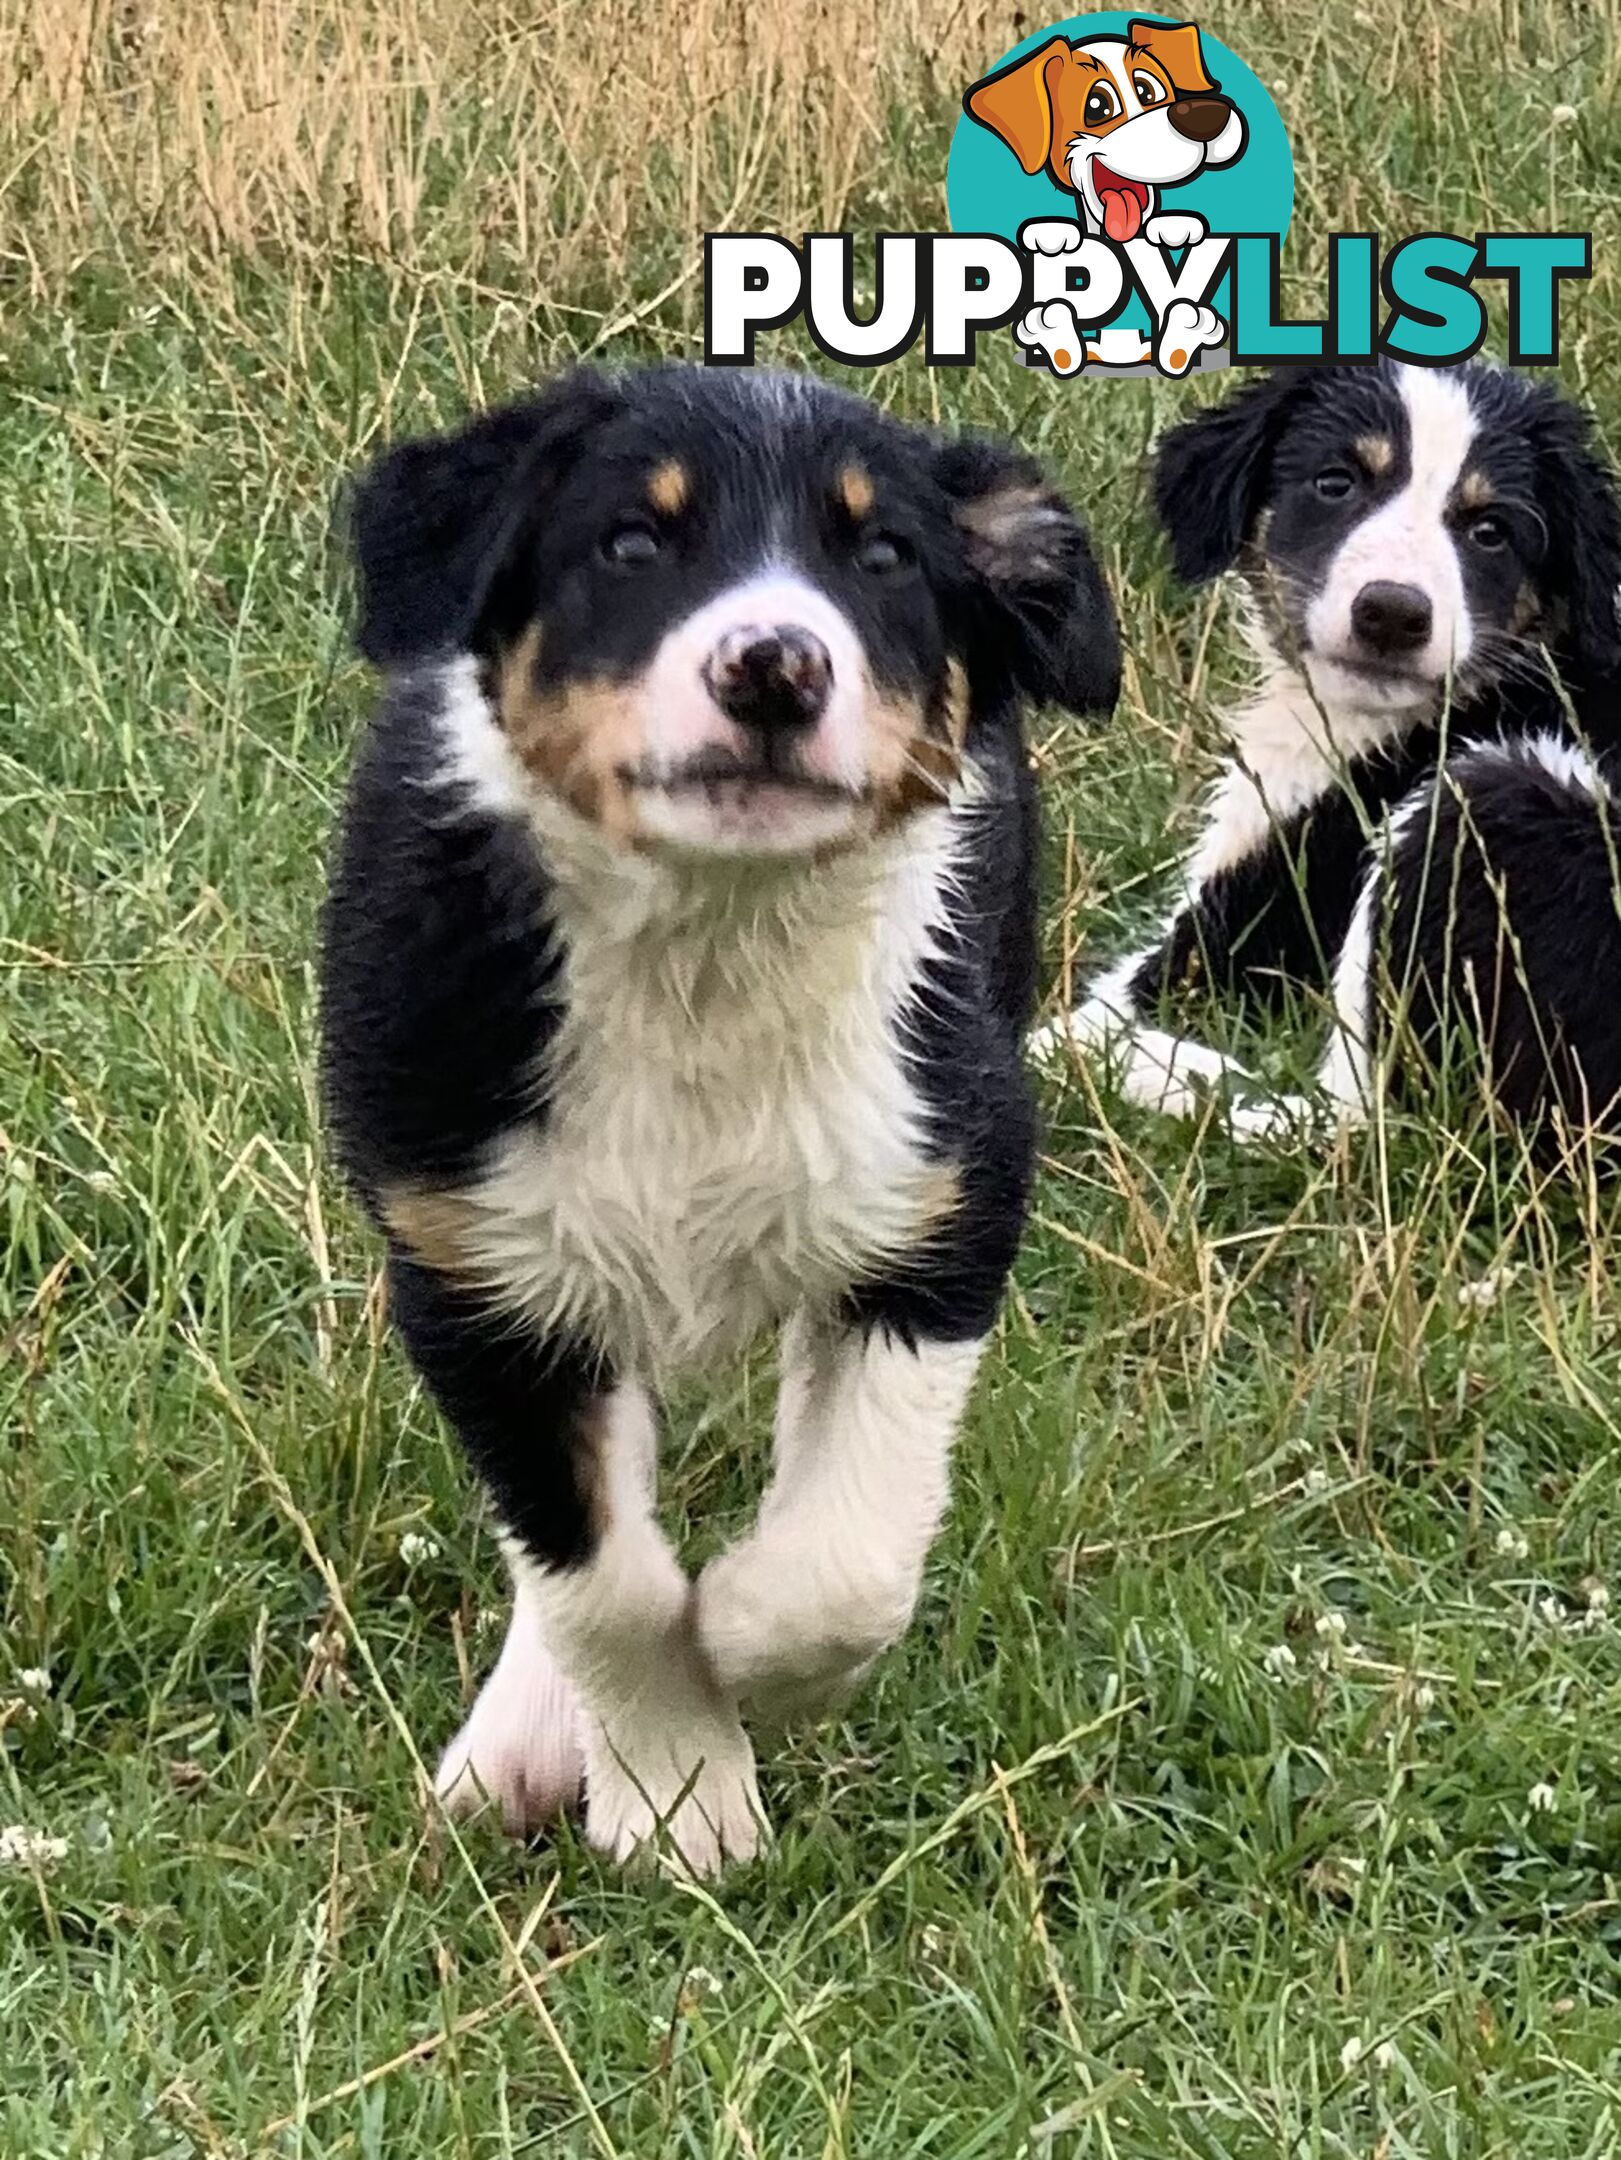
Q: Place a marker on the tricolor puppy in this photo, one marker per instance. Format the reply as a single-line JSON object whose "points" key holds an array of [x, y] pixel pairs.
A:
{"points": [[1416, 811], [1114, 120], [680, 944]]}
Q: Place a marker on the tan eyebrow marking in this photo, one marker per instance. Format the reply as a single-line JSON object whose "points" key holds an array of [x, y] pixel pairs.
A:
{"points": [[1377, 452], [668, 486], [856, 490], [1476, 491]]}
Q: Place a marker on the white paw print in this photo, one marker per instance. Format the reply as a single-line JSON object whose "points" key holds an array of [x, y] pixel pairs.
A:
{"points": [[1186, 328], [1054, 330], [1050, 236], [1175, 229]]}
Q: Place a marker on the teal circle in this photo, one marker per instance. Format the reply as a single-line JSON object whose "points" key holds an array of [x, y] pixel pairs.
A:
{"points": [[988, 191]]}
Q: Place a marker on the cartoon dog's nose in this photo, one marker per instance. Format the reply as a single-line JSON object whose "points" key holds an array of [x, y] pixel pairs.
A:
{"points": [[1200, 119], [770, 676], [1391, 618]]}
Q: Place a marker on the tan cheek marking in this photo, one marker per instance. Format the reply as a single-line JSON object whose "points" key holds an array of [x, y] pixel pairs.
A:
{"points": [[1377, 453], [668, 486], [917, 752], [1527, 609], [1475, 491], [856, 490], [574, 740], [436, 1227]]}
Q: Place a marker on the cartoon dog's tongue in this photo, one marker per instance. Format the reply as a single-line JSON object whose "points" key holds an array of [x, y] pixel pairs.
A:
{"points": [[1123, 202], [1121, 214]]}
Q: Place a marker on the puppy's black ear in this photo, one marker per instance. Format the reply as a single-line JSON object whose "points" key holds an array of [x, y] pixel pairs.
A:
{"points": [[434, 524], [1042, 612], [1577, 499], [1211, 473]]}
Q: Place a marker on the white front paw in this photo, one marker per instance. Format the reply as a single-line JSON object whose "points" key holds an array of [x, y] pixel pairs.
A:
{"points": [[1187, 328], [788, 1639], [1050, 236], [1175, 229], [672, 1778], [520, 1749], [1282, 1120], [1053, 329]]}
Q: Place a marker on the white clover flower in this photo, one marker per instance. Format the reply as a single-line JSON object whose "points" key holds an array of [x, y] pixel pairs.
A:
{"points": [[1542, 1799], [22, 1848], [1316, 1479], [1598, 1597], [34, 1681], [1383, 2055], [1423, 1699], [1280, 1662], [1351, 2053], [1552, 1610], [1564, 116], [1331, 1626], [699, 1980], [416, 1548], [1483, 1293], [1511, 1544]]}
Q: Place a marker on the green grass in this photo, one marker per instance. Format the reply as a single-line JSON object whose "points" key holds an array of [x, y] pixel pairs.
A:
{"points": [[1092, 1867]]}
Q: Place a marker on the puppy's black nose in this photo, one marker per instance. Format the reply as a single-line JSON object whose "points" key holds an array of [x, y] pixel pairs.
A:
{"points": [[1200, 119], [776, 677], [1391, 618]]}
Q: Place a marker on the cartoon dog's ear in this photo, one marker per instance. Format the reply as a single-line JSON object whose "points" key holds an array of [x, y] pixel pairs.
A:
{"points": [[1017, 104], [1177, 48], [434, 523], [1577, 499], [1211, 473], [1041, 612]]}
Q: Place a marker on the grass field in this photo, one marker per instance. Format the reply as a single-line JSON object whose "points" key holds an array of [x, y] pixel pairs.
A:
{"points": [[1251, 1784]]}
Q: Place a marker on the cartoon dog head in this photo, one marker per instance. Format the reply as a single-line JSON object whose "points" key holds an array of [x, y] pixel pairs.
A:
{"points": [[1113, 119]]}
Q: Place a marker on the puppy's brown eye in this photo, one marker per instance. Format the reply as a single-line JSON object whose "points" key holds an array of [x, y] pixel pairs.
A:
{"points": [[882, 555], [1489, 531], [1150, 90], [1333, 483], [1100, 106], [630, 545]]}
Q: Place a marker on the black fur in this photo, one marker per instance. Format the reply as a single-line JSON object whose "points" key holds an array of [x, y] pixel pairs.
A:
{"points": [[1500, 935]]}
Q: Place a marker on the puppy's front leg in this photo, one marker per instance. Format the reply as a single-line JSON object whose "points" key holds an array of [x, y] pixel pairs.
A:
{"points": [[793, 1615], [601, 1673]]}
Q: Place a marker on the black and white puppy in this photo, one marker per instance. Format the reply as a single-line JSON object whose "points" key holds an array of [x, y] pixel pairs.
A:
{"points": [[1430, 560], [679, 949]]}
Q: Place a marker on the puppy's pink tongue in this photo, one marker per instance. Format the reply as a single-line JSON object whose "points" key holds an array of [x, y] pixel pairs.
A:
{"points": [[1122, 213]]}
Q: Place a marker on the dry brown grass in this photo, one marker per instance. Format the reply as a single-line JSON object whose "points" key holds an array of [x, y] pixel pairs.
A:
{"points": [[572, 140]]}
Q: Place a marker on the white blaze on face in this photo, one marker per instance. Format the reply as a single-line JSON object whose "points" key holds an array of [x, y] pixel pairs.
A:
{"points": [[679, 722], [1407, 538]]}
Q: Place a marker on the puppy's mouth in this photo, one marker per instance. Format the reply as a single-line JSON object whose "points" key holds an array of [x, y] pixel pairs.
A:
{"points": [[724, 776], [1124, 202]]}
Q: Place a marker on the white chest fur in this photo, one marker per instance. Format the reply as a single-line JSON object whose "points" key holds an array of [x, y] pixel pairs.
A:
{"points": [[729, 1126]]}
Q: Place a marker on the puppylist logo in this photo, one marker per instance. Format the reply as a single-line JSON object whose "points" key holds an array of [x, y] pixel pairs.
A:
{"points": [[1119, 188]]}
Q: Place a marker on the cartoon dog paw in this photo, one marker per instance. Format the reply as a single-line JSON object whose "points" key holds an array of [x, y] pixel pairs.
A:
{"points": [[1050, 236], [1175, 229], [1053, 330], [1186, 328]]}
